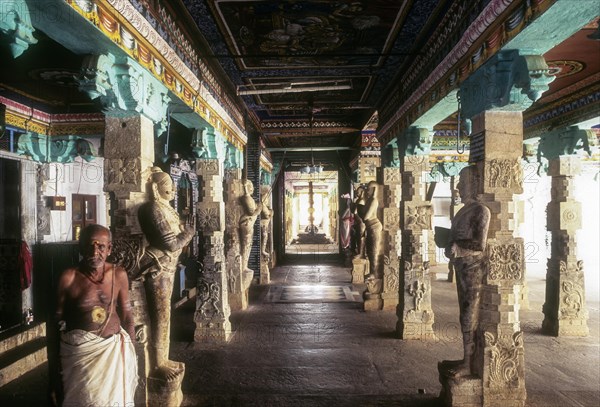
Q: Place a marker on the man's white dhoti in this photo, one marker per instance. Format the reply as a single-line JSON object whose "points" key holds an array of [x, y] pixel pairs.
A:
{"points": [[98, 371]]}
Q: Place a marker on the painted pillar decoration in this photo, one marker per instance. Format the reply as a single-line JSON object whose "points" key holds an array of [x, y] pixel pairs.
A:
{"points": [[392, 236], [415, 315], [212, 304], [565, 312], [234, 189], [266, 228], [15, 24], [494, 98]]}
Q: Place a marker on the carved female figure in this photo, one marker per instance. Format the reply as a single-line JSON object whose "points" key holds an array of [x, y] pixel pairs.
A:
{"points": [[166, 238], [374, 229], [250, 211]]}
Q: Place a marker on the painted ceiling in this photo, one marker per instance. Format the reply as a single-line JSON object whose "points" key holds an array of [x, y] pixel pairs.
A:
{"points": [[264, 45]]}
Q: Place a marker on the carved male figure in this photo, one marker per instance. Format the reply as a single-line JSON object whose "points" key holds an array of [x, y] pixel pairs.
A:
{"points": [[374, 229], [94, 313], [468, 238], [250, 211], [166, 238]]}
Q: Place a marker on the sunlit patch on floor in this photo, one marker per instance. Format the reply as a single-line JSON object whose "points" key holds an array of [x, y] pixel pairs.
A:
{"points": [[311, 293]]}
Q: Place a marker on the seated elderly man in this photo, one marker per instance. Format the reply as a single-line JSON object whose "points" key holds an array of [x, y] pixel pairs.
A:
{"points": [[97, 357]]}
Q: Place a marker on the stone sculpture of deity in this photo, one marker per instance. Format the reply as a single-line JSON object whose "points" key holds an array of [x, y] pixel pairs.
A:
{"points": [[265, 220], [166, 237], [249, 212], [466, 246], [374, 230]]}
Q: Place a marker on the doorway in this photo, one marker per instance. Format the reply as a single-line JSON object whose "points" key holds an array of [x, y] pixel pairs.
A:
{"points": [[311, 213]]}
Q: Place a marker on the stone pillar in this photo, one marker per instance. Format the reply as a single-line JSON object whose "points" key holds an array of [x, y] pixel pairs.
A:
{"points": [[234, 189], [126, 167], [500, 340], [513, 80], [212, 305], [565, 313], [392, 193], [415, 315]]}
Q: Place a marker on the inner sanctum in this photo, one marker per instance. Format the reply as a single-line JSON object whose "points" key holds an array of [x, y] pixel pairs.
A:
{"points": [[300, 203]]}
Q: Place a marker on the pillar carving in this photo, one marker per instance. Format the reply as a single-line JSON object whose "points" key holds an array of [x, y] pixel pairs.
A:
{"points": [[126, 169], [415, 315], [392, 194], [565, 312], [212, 304], [496, 147]]}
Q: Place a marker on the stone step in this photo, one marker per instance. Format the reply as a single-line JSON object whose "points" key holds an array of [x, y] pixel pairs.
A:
{"points": [[17, 336], [20, 360], [22, 352]]}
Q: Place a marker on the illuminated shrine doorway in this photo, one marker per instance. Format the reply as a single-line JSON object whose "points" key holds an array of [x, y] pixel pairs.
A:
{"points": [[311, 213]]}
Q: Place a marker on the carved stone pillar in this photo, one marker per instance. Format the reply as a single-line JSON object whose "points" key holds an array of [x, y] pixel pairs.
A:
{"points": [[514, 80], [212, 305], [415, 315], [565, 312], [500, 340], [392, 193], [234, 189], [126, 167]]}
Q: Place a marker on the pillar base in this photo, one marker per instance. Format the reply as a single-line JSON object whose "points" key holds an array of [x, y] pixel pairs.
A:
{"points": [[165, 393], [390, 301], [373, 304], [466, 391], [566, 327], [360, 268], [212, 332], [265, 273], [416, 331]]}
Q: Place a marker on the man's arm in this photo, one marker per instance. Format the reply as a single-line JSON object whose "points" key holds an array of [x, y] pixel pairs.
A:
{"points": [[123, 303]]}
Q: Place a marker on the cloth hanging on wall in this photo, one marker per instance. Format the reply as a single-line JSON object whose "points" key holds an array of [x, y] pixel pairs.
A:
{"points": [[25, 263]]}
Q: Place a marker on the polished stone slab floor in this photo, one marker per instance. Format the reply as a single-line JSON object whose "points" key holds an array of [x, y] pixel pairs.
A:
{"points": [[309, 352]]}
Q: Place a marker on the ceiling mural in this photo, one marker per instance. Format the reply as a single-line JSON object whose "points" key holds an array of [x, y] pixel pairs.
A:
{"points": [[347, 51], [308, 33]]}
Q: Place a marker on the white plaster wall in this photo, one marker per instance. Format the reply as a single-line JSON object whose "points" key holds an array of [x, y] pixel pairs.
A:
{"points": [[587, 191], [536, 195], [79, 177]]}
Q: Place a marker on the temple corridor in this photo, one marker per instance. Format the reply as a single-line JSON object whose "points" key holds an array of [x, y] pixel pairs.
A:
{"points": [[290, 348]]}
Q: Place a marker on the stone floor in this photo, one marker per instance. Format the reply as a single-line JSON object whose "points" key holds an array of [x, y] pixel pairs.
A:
{"points": [[302, 351]]}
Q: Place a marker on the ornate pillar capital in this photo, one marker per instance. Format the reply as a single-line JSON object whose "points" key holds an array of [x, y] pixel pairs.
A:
{"points": [[510, 81], [562, 142], [415, 141], [124, 87], [15, 23]]}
